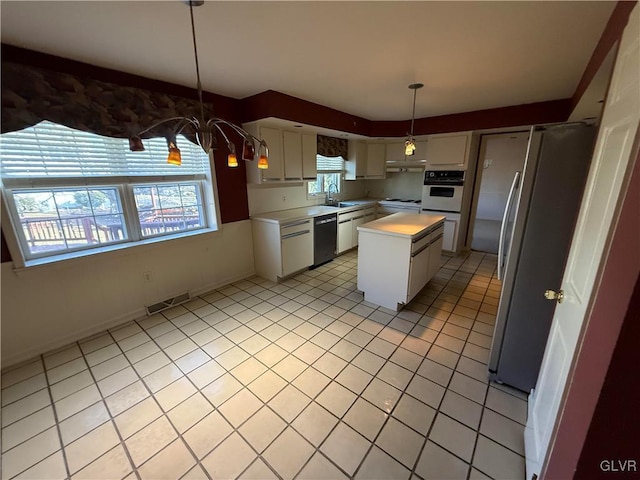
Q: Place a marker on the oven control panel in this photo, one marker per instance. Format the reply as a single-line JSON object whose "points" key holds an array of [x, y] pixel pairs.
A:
{"points": [[444, 177]]}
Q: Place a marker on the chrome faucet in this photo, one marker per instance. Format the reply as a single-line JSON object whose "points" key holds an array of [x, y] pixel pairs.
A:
{"points": [[329, 198]]}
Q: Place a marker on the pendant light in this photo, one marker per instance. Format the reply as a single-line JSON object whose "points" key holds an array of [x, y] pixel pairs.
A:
{"points": [[410, 144], [205, 130]]}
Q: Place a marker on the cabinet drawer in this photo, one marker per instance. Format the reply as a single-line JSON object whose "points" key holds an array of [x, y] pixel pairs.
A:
{"points": [[420, 243], [295, 227], [350, 215], [437, 232]]}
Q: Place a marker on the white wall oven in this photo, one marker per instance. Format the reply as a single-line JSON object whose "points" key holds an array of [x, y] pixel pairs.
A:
{"points": [[442, 191]]}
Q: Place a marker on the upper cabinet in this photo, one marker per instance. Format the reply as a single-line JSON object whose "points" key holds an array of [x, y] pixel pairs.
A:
{"points": [[366, 160], [395, 152], [292, 155], [375, 160], [275, 172], [309, 155], [448, 151]]}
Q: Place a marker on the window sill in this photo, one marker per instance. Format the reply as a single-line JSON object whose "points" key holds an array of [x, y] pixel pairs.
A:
{"points": [[65, 258]]}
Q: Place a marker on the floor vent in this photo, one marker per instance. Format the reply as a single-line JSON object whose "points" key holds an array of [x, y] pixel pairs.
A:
{"points": [[165, 304]]}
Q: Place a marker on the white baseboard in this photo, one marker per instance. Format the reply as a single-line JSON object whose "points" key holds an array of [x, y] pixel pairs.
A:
{"points": [[139, 313]]}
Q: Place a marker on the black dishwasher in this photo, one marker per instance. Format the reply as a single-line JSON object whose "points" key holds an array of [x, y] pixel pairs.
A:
{"points": [[325, 233]]}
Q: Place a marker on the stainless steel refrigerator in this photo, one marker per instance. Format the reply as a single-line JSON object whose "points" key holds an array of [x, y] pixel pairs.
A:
{"points": [[535, 237]]}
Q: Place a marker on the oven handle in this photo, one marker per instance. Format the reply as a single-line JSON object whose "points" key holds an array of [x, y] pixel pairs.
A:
{"points": [[444, 184]]}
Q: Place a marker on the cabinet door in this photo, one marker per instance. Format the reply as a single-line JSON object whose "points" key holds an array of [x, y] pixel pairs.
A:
{"points": [[273, 137], [309, 154], [450, 151], [359, 220], [356, 164], [297, 251], [292, 150], [344, 235], [375, 160], [435, 252], [394, 152], [418, 272], [421, 151], [449, 237]]}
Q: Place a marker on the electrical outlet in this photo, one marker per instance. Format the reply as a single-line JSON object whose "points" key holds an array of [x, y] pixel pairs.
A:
{"points": [[147, 276]]}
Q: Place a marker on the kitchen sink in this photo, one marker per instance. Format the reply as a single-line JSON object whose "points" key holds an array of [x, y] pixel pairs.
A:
{"points": [[332, 204]]}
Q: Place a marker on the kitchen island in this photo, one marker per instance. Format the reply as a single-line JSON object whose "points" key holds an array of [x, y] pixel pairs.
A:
{"points": [[397, 256]]}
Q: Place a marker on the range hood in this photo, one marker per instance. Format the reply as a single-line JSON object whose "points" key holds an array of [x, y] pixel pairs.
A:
{"points": [[405, 165]]}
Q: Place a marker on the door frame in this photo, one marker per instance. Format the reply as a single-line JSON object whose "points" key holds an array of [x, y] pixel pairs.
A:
{"points": [[477, 175], [601, 328]]}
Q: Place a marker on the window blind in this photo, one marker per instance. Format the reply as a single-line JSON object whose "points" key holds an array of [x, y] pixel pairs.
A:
{"points": [[329, 164], [52, 150]]}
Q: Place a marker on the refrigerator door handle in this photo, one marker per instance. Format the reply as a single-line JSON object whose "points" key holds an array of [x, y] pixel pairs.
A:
{"points": [[505, 218]]}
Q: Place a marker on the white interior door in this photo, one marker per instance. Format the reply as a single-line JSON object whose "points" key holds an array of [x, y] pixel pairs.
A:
{"points": [[620, 121]]}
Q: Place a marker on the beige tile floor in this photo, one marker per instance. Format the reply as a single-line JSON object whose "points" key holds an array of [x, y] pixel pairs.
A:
{"points": [[259, 380]]}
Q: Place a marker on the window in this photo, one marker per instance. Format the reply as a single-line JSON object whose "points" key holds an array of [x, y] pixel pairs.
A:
{"points": [[329, 179], [68, 190]]}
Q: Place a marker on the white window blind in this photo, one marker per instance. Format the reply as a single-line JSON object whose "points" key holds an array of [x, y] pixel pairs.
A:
{"points": [[329, 164], [51, 150]]}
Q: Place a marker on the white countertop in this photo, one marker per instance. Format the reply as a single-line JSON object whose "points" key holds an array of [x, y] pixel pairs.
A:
{"points": [[402, 224], [294, 214]]}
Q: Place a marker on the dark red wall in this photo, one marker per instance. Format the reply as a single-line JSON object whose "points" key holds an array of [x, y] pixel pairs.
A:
{"points": [[614, 433]]}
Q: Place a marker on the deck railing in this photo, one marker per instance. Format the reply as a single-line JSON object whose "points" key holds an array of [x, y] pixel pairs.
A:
{"points": [[43, 234]]}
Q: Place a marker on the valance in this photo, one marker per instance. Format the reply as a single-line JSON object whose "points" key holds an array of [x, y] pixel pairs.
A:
{"points": [[32, 94], [332, 147]]}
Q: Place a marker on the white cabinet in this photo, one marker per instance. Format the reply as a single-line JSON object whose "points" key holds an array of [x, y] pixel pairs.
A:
{"points": [[309, 155], [394, 152], [369, 214], [356, 222], [435, 251], [450, 234], [292, 155], [273, 137], [345, 235], [356, 164], [419, 266], [281, 250], [366, 160], [348, 223], [421, 151], [296, 241], [450, 151], [392, 269], [375, 160]]}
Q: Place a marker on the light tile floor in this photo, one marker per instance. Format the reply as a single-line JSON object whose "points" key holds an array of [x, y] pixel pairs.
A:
{"points": [[259, 380]]}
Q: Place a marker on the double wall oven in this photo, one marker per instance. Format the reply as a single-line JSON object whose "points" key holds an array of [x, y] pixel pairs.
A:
{"points": [[442, 195], [442, 190]]}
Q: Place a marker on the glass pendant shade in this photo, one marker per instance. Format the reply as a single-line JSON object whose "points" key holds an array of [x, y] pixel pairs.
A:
{"points": [[409, 147], [248, 150], [174, 157], [232, 160], [263, 163]]}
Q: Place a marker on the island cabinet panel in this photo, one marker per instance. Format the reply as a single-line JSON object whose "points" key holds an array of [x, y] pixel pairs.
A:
{"points": [[383, 268], [435, 251], [397, 256]]}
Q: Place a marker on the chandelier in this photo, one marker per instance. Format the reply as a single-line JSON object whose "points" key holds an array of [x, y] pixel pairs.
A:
{"points": [[410, 144], [205, 130]]}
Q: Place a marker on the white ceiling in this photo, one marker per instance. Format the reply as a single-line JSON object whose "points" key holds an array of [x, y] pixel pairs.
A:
{"points": [[357, 57]]}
